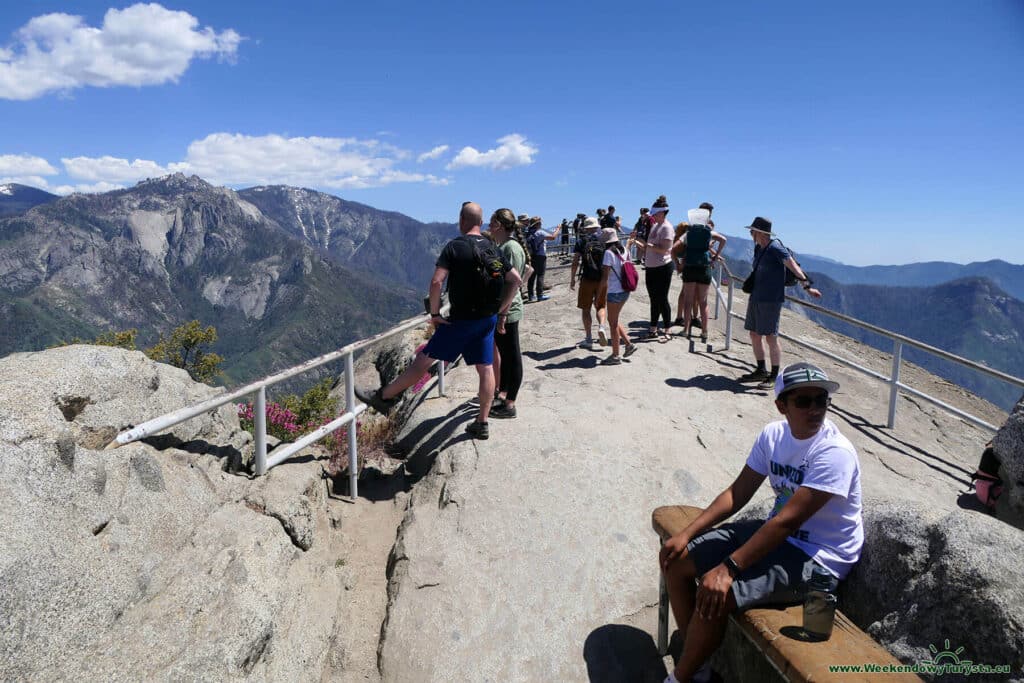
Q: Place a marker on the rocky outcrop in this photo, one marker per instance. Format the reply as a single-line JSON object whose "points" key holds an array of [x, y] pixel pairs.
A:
{"points": [[151, 562], [928, 577], [1009, 445]]}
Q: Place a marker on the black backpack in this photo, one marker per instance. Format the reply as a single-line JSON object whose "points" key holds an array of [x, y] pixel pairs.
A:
{"points": [[790, 275], [490, 269], [593, 259]]}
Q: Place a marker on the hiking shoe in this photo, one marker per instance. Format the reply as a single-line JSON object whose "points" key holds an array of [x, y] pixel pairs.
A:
{"points": [[382, 405], [611, 360], [758, 375], [695, 322], [503, 412], [630, 350], [478, 430], [602, 337], [767, 383], [587, 344], [543, 298], [678, 322]]}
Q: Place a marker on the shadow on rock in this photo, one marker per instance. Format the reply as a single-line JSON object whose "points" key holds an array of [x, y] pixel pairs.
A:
{"points": [[711, 383], [231, 455], [549, 354], [615, 653], [888, 440], [584, 362]]}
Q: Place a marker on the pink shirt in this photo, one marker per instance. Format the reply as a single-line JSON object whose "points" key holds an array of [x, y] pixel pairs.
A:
{"points": [[660, 235]]}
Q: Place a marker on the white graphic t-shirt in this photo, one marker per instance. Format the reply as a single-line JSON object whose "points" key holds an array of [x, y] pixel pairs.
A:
{"points": [[826, 462]]}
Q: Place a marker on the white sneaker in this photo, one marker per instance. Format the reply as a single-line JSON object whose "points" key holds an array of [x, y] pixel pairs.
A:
{"points": [[602, 336], [586, 344]]}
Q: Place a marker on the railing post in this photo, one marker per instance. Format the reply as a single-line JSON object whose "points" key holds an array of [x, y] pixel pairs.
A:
{"points": [[353, 427], [897, 356], [259, 426], [718, 289], [728, 316], [440, 377]]}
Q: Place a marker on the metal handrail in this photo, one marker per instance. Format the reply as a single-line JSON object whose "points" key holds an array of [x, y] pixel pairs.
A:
{"points": [[259, 388], [899, 340]]}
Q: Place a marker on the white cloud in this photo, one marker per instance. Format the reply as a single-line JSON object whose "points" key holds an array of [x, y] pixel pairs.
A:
{"points": [[25, 165], [145, 44], [432, 154], [87, 187], [512, 150], [235, 159], [111, 169]]}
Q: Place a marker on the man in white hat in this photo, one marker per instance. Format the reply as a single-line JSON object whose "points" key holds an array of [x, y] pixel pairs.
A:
{"points": [[588, 255], [815, 524], [764, 304]]}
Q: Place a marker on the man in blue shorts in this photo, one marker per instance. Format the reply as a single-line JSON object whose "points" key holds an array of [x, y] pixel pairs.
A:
{"points": [[468, 330], [815, 523], [764, 304]]}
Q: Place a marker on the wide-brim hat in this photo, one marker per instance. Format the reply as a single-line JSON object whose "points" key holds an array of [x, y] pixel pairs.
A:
{"points": [[609, 235], [761, 225], [803, 374], [523, 218], [590, 223]]}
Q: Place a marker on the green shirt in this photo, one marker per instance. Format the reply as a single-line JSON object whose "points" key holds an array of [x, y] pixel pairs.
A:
{"points": [[517, 259]]}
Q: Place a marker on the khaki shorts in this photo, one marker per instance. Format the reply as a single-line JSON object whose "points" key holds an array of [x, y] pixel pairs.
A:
{"points": [[588, 295]]}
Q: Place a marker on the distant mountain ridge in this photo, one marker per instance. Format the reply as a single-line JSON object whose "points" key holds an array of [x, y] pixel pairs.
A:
{"points": [[173, 249], [15, 198], [384, 244], [1008, 276]]}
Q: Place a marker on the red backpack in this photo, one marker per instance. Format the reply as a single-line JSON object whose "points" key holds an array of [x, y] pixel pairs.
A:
{"points": [[628, 277]]}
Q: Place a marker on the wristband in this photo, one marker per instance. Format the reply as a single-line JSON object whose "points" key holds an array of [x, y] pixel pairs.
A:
{"points": [[730, 564]]}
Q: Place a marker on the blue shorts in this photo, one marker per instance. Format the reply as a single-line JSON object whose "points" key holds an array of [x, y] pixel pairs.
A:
{"points": [[472, 339], [779, 578], [617, 297], [763, 318]]}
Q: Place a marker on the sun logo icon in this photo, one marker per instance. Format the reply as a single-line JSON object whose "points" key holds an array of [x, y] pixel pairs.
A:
{"points": [[946, 656]]}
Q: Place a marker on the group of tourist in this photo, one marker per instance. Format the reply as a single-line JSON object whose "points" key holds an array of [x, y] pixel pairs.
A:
{"points": [[711, 569]]}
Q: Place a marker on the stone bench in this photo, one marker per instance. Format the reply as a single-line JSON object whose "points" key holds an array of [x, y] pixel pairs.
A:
{"points": [[798, 661]]}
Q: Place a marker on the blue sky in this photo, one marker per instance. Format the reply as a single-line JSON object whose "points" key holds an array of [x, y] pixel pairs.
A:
{"points": [[869, 132]]}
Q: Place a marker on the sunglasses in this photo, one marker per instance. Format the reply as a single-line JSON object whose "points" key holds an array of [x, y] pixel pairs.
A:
{"points": [[805, 402]]}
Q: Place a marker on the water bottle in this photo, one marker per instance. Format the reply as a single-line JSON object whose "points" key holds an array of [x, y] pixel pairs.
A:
{"points": [[820, 603]]}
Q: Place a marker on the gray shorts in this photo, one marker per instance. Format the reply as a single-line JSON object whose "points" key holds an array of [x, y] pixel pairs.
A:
{"points": [[763, 318], [778, 579]]}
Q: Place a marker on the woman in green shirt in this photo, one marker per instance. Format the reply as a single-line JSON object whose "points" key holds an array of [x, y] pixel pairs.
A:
{"points": [[508, 359]]}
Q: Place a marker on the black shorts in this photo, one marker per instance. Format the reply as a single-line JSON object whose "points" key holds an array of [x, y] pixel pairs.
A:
{"points": [[699, 274]]}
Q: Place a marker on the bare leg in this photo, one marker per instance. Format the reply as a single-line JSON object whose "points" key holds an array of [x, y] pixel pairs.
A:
{"points": [[774, 349], [587, 321], [410, 376], [613, 325], [486, 391], [755, 341], [689, 294], [679, 303], [701, 637], [702, 304], [497, 368], [602, 315]]}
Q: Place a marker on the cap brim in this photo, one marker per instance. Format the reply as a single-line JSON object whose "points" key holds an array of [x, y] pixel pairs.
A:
{"points": [[767, 232], [829, 386]]}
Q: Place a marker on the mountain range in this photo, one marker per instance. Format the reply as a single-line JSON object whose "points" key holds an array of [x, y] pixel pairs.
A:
{"points": [[286, 273], [15, 198], [175, 248], [971, 316]]}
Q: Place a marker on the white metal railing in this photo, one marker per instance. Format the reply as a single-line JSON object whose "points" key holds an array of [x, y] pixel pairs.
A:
{"points": [[899, 341], [259, 390]]}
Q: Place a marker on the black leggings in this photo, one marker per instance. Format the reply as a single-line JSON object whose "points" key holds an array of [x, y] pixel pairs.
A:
{"points": [[511, 360], [658, 281], [540, 265]]}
